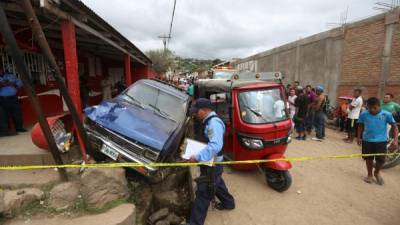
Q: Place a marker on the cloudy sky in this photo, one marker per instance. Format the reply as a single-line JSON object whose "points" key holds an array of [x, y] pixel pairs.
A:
{"points": [[225, 28]]}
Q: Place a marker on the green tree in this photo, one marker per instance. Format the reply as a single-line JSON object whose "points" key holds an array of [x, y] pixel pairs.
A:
{"points": [[162, 60], [216, 61]]}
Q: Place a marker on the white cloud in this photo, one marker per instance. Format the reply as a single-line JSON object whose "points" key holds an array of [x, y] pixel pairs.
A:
{"points": [[223, 28]]}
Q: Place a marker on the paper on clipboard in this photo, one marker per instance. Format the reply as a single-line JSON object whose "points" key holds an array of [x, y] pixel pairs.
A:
{"points": [[193, 148]]}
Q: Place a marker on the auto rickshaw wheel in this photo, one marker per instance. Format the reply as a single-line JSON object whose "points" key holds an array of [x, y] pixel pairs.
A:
{"points": [[279, 180]]}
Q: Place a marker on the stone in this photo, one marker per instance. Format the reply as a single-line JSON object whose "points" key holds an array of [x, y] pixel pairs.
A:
{"points": [[168, 199], [20, 198], [103, 185], [144, 200], [63, 195], [2, 205], [163, 222], [175, 180], [159, 215], [174, 219]]}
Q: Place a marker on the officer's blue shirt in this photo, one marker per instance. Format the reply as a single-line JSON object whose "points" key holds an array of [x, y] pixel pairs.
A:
{"points": [[214, 130], [375, 126], [10, 90]]}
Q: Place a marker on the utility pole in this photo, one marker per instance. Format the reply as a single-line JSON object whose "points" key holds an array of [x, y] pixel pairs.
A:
{"points": [[164, 39]]}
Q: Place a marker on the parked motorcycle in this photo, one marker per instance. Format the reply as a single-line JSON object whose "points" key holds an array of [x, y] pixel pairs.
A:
{"points": [[392, 160]]}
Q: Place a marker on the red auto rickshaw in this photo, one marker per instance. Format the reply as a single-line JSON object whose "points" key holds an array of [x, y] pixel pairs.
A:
{"points": [[253, 106]]}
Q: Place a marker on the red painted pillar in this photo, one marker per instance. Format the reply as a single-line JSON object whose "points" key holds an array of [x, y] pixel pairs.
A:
{"points": [[71, 62], [128, 74], [71, 70]]}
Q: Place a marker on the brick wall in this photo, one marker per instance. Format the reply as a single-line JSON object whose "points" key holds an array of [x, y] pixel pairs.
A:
{"points": [[362, 59], [362, 53]]}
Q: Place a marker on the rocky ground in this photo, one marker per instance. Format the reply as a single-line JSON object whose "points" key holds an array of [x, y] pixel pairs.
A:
{"points": [[323, 192], [94, 193]]}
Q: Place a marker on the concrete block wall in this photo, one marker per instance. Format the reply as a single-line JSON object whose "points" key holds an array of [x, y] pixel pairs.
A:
{"points": [[315, 60]]}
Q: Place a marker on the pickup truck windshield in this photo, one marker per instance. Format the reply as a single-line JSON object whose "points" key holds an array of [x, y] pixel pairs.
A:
{"points": [[161, 102], [262, 106]]}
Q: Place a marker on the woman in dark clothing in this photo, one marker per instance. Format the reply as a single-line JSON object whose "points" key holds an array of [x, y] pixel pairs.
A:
{"points": [[299, 119]]}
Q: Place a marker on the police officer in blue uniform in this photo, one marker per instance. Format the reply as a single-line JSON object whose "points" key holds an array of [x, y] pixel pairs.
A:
{"points": [[213, 186], [9, 104]]}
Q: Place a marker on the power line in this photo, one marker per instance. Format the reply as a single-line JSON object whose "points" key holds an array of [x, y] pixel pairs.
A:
{"points": [[172, 21], [165, 38]]}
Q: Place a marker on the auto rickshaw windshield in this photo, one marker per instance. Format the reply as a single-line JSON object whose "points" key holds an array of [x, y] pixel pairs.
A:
{"points": [[262, 106]]}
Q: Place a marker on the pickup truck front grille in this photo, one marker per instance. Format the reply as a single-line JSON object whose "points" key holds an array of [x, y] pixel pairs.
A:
{"points": [[120, 141]]}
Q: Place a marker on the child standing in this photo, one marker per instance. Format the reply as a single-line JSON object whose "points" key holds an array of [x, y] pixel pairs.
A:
{"points": [[373, 126]]}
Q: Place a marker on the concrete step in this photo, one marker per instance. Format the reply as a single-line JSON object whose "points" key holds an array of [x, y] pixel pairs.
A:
{"points": [[19, 150], [28, 178], [121, 215]]}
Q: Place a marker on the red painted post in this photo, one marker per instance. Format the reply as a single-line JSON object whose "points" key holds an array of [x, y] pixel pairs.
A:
{"points": [[128, 74], [71, 62], [71, 70]]}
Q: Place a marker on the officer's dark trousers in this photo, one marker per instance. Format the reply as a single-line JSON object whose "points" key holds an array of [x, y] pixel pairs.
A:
{"points": [[203, 197], [3, 120], [12, 109]]}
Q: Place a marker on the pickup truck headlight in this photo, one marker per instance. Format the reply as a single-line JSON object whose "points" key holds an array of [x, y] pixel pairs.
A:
{"points": [[252, 143], [151, 155]]}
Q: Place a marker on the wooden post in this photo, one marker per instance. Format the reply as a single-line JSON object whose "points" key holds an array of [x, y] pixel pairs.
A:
{"points": [[128, 74]]}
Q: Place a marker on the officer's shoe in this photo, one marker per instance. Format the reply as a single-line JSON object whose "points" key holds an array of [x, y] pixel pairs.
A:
{"points": [[21, 130], [7, 134], [220, 206]]}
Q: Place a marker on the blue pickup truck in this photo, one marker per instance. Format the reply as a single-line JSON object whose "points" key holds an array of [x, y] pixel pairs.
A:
{"points": [[146, 123]]}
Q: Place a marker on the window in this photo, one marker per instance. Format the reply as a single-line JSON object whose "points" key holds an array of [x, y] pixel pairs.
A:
{"points": [[262, 106], [36, 65]]}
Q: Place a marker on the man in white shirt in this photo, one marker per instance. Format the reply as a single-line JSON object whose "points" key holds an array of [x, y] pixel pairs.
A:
{"points": [[353, 115], [291, 99]]}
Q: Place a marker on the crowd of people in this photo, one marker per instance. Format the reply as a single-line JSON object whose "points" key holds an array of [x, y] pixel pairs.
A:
{"points": [[186, 85], [350, 108], [370, 122], [307, 108]]}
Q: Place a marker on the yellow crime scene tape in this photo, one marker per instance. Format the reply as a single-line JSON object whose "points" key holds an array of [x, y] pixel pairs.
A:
{"points": [[186, 164]]}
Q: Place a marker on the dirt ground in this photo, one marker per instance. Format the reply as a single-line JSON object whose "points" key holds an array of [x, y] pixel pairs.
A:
{"points": [[323, 192]]}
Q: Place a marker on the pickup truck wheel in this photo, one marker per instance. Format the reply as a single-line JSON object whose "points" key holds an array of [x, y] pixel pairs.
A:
{"points": [[279, 180]]}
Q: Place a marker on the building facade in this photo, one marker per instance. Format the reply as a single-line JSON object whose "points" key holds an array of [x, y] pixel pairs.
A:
{"points": [[86, 48]]}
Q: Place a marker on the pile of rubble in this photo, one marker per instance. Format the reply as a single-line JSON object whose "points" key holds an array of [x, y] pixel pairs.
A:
{"points": [[163, 202]]}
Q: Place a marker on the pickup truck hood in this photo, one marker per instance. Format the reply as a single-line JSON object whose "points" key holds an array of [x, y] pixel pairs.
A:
{"points": [[129, 120]]}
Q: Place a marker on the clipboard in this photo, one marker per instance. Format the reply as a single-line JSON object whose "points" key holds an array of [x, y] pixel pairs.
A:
{"points": [[193, 147]]}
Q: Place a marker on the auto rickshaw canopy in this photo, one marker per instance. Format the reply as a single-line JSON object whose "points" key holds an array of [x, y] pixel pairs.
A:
{"points": [[239, 80]]}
